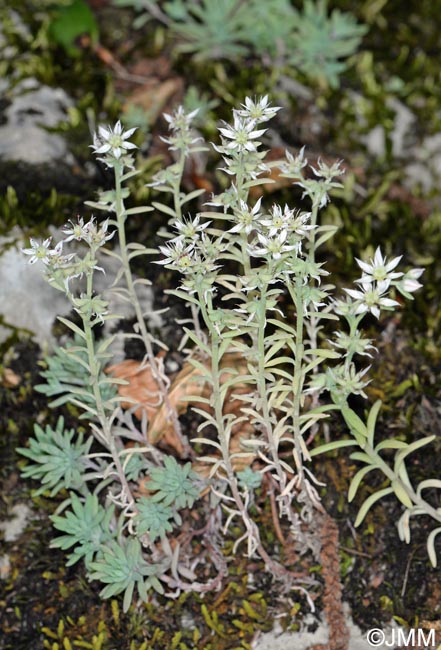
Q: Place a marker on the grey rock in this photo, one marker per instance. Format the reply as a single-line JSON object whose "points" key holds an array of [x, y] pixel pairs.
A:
{"points": [[24, 136], [424, 167], [28, 302], [382, 638], [402, 135], [13, 528]]}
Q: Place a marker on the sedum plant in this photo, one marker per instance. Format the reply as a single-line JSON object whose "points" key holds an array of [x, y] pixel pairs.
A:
{"points": [[320, 45], [310, 40], [256, 292], [65, 374], [58, 458]]}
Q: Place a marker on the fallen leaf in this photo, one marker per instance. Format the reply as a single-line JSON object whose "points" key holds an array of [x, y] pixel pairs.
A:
{"points": [[188, 383], [10, 379], [154, 96], [142, 387]]}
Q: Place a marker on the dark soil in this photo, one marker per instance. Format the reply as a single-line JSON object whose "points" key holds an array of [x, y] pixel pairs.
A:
{"points": [[43, 604]]}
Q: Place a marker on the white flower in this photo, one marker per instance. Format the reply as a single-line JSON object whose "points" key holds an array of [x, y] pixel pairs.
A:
{"points": [[409, 282], [190, 228], [379, 269], [178, 255], [293, 166], [274, 246], [246, 219], [280, 220], [41, 252], [326, 172], [75, 230], [180, 120], [259, 110], [113, 141], [370, 298], [97, 236], [242, 134], [299, 224]]}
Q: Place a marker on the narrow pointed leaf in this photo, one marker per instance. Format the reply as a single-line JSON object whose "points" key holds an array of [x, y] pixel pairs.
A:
{"points": [[330, 446], [370, 501], [353, 421], [431, 546], [401, 455], [72, 326], [371, 421], [355, 483]]}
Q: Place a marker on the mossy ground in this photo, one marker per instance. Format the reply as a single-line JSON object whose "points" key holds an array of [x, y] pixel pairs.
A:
{"points": [[45, 605]]}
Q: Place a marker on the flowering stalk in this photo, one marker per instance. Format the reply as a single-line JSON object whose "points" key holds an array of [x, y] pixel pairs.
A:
{"points": [[114, 144], [61, 272], [103, 431], [263, 246], [214, 322], [259, 290]]}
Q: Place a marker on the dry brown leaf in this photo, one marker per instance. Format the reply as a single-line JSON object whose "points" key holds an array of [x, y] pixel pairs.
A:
{"points": [[10, 379], [185, 384], [143, 388], [154, 96]]}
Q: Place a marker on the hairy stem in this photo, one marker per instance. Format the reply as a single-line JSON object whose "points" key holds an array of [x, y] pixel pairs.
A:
{"points": [[142, 329], [103, 418]]}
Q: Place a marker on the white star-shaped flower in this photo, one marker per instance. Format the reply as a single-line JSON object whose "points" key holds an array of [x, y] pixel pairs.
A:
{"points": [[113, 141], [379, 269], [242, 134], [371, 298]]}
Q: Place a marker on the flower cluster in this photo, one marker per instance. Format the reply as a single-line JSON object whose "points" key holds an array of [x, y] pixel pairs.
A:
{"points": [[89, 232], [190, 250], [182, 137], [240, 140], [318, 188], [259, 309], [61, 268], [113, 144], [376, 281], [40, 251], [372, 296]]}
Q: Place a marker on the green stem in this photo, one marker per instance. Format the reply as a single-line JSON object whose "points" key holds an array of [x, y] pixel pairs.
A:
{"points": [[245, 255], [103, 419], [156, 371], [262, 387], [298, 377], [390, 474], [215, 336], [177, 187], [311, 233], [354, 322], [312, 324]]}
